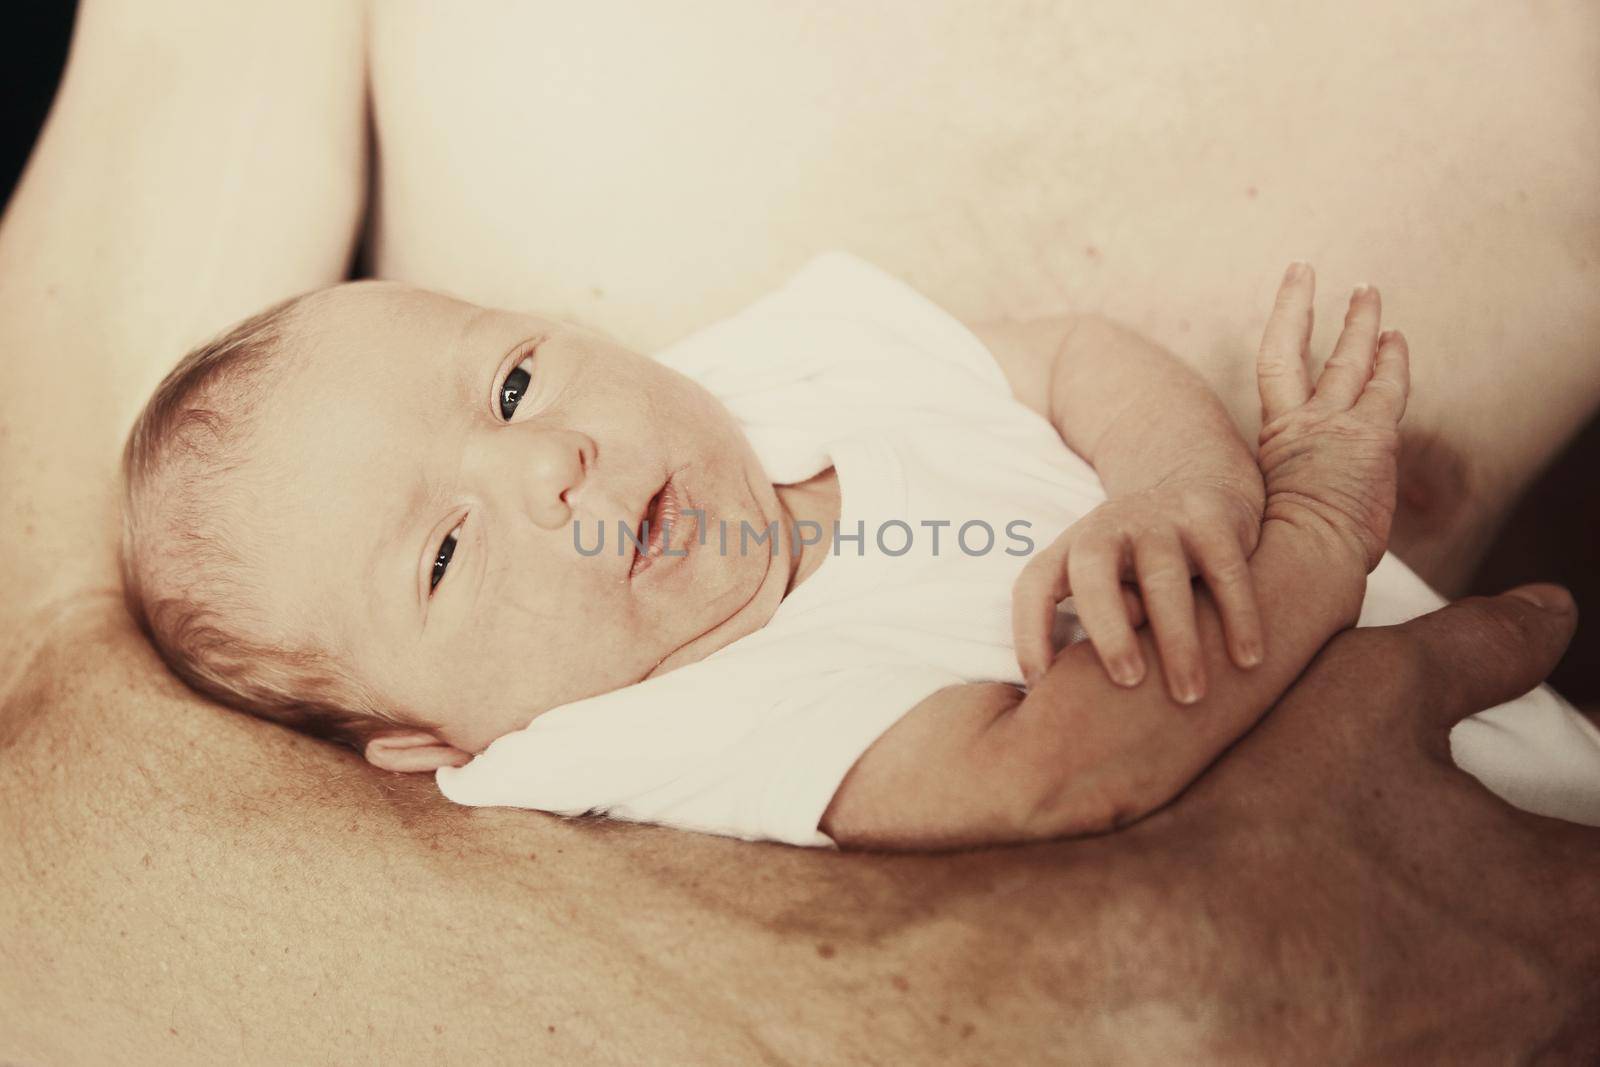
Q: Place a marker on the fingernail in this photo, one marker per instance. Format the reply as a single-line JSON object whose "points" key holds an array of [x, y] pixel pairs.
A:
{"points": [[1385, 337], [1361, 290], [1551, 598], [1126, 672], [1296, 271], [1188, 691], [1250, 654]]}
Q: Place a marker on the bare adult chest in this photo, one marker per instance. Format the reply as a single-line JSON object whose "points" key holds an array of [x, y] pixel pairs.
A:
{"points": [[648, 167]]}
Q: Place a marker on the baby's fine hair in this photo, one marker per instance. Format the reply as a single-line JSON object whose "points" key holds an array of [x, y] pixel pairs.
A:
{"points": [[183, 578]]}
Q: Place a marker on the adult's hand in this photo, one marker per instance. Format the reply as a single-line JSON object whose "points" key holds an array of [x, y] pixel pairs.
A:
{"points": [[1370, 902]]}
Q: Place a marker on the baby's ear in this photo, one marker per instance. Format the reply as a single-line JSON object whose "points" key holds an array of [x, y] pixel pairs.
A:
{"points": [[412, 751]]}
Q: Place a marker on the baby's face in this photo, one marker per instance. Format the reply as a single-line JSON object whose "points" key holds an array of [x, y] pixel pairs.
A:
{"points": [[416, 479]]}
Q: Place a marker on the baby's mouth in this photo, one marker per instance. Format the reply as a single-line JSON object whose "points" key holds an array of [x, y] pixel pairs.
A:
{"points": [[660, 512]]}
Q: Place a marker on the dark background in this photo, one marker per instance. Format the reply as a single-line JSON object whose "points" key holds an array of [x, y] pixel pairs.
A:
{"points": [[1554, 535]]}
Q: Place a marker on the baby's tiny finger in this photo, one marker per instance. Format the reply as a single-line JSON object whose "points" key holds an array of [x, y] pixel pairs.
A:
{"points": [[1281, 371], [1227, 574], [1347, 370], [1385, 395], [1169, 598], [1034, 598], [1093, 571]]}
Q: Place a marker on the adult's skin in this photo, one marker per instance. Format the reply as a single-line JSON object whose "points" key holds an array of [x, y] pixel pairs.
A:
{"points": [[178, 884]]}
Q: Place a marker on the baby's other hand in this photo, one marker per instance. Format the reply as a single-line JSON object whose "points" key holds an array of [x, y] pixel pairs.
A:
{"points": [[1157, 538], [1328, 455]]}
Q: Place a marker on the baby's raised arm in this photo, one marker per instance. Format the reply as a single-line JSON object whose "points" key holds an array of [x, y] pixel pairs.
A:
{"points": [[1184, 499], [1079, 754]]}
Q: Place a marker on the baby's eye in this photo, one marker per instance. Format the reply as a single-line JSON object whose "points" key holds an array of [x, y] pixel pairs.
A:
{"points": [[514, 388], [442, 560]]}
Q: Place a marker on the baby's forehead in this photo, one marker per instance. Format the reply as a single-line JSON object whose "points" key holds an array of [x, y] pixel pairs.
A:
{"points": [[345, 332], [372, 303], [368, 372]]}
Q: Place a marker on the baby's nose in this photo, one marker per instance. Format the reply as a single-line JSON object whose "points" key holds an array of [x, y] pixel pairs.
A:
{"points": [[549, 467]]}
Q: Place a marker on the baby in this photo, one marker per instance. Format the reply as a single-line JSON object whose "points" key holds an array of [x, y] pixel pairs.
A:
{"points": [[709, 589]]}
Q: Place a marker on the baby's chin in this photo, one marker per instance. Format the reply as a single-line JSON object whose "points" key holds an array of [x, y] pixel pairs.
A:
{"points": [[743, 597]]}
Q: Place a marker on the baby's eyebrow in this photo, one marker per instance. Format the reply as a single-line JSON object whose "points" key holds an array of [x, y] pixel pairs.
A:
{"points": [[398, 543], [385, 557], [466, 358]]}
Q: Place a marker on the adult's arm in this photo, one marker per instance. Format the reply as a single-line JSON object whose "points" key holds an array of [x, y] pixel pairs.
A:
{"points": [[183, 886], [201, 161]]}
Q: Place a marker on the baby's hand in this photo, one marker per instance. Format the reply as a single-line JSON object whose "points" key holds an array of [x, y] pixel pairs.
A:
{"points": [[1328, 455], [1159, 538]]}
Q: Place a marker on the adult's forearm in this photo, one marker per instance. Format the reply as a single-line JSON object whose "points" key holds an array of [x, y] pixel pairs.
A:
{"points": [[1103, 755]]}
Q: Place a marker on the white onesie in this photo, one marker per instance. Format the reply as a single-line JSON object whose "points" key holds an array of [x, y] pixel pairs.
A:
{"points": [[947, 483]]}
